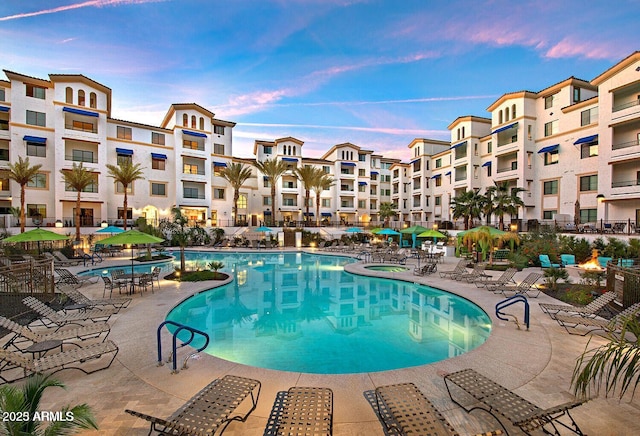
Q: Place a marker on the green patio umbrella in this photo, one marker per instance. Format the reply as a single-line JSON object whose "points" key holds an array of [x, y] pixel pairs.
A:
{"points": [[36, 235], [431, 233], [413, 231], [375, 231], [491, 230]]}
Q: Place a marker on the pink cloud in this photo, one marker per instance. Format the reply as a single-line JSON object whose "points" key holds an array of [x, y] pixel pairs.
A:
{"points": [[569, 47], [85, 4]]}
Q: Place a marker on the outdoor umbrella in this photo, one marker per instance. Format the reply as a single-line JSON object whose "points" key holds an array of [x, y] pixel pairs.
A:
{"points": [[431, 233], [110, 229], [375, 231], [263, 229], [354, 230], [388, 232], [413, 231], [132, 237], [35, 235], [491, 230]]}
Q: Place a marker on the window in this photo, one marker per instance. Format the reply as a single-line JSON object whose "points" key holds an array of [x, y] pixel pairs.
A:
{"points": [[38, 181], [439, 163], [37, 209], [157, 138], [201, 123], [489, 147], [120, 188], [361, 172], [35, 91], [362, 157], [124, 157], [185, 120], [362, 204], [121, 213], [81, 98], [218, 148], [193, 121], [551, 158], [159, 189], [551, 128], [93, 100], [92, 187], [266, 182], [36, 149], [576, 95], [68, 95], [439, 181], [36, 118], [218, 193], [158, 164], [506, 113], [589, 183], [438, 200], [82, 156], [242, 201], [267, 149], [548, 102], [499, 117], [588, 150], [588, 215], [193, 145], [362, 188], [489, 171], [191, 193], [548, 214], [475, 149], [513, 111], [190, 169], [551, 187], [266, 201], [4, 183], [123, 132], [416, 165], [2, 95], [218, 130]]}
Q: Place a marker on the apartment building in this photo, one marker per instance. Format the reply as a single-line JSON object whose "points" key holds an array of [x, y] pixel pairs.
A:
{"points": [[573, 148]]}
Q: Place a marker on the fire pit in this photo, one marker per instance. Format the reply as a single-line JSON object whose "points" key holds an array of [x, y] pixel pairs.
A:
{"points": [[592, 264]]}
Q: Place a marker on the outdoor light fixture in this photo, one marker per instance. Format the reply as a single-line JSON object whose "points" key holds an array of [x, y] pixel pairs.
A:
{"points": [[600, 198], [104, 224], [58, 224]]}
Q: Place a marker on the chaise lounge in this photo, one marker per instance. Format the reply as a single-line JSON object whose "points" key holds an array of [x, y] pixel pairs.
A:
{"points": [[301, 411], [79, 298], [49, 317], [588, 311], [612, 326]]}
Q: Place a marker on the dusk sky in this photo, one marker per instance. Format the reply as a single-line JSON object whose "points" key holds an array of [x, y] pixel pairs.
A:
{"points": [[374, 73]]}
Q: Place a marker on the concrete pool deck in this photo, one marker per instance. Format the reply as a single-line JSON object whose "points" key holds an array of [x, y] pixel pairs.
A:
{"points": [[537, 364]]}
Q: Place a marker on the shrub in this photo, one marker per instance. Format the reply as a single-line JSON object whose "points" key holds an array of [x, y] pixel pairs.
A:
{"points": [[580, 296], [552, 275]]}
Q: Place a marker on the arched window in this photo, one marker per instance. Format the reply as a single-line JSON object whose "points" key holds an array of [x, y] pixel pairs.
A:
{"points": [[81, 98], [513, 111], [185, 120], [342, 154], [201, 123], [93, 100], [68, 95], [506, 114], [242, 201], [193, 121], [458, 132], [294, 150], [500, 117], [462, 132]]}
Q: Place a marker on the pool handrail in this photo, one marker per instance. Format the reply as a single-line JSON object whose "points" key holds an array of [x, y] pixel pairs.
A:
{"points": [[508, 302], [173, 355]]}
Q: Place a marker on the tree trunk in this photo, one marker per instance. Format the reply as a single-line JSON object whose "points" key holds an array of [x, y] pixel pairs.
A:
{"points": [[78, 217], [22, 214], [234, 212], [306, 204], [126, 203], [273, 201], [317, 210]]}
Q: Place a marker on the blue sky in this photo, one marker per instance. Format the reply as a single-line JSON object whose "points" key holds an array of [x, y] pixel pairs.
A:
{"points": [[374, 73]]}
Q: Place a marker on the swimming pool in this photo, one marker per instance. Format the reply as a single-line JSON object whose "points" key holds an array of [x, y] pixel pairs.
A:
{"points": [[301, 312]]}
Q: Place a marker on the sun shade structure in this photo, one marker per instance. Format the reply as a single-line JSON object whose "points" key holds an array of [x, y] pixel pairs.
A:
{"points": [[389, 232], [35, 235], [431, 233], [110, 229]]}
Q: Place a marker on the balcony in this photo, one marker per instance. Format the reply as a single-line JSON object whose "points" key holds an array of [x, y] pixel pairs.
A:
{"points": [[81, 126], [625, 183], [193, 195]]}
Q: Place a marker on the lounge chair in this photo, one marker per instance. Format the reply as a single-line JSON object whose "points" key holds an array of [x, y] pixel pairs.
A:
{"points": [[19, 366], [49, 317], [523, 288], [79, 298], [62, 258], [208, 410], [588, 311], [477, 274], [545, 262], [505, 278], [461, 268], [498, 401], [603, 261], [429, 268], [612, 326], [301, 411], [24, 335], [567, 259], [65, 276], [59, 262]]}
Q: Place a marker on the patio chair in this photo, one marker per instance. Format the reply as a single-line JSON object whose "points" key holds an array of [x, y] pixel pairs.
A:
{"points": [[505, 278], [144, 282], [66, 277], [49, 317], [61, 257], [567, 259], [612, 326], [525, 287], [60, 262], [208, 410], [461, 268], [24, 335], [155, 276], [301, 411], [477, 274], [111, 285], [618, 227], [603, 261], [498, 401], [429, 268], [79, 298], [588, 311], [20, 366], [545, 262]]}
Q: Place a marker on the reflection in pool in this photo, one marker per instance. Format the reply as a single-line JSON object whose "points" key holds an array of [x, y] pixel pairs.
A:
{"points": [[302, 312]]}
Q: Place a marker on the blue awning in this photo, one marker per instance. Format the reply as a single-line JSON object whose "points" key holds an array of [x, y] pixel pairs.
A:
{"points": [[374, 172], [587, 139], [4, 109], [448, 173], [265, 177], [549, 148], [36, 139], [290, 159], [458, 145], [504, 128], [362, 183], [267, 212], [219, 164], [348, 164], [325, 213], [309, 214], [190, 133], [124, 151], [80, 112], [159, 156], [486, 164], [415, 160], [437, 176]]}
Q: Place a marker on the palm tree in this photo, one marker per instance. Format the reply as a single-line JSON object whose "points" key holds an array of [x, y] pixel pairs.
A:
{"points": [[22, 173], [505, 200], [78, 179], [387, 210], [125, 173], [322, 183], [272, 169], [467, 205], [308, 176], [177, 232], [25, 401], [236, 174]]}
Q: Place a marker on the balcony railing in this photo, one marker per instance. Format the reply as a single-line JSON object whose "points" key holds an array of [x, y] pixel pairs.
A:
{"points": [[85, 159], [193, 171], [194, 196], [627, 105], [625, 144], [623, 183], [511, 167], [82, 127]]}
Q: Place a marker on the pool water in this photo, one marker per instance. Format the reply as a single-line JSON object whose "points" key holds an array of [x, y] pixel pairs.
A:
{"points": [[301, 312], [387, 268]]}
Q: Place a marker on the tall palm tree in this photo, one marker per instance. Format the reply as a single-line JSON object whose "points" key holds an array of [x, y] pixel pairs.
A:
{"points": [[505, 200], [236, 174], [24, 401], [387, 210], [272, 169], [322, 183], [467, 205], [125, 173], [22, 173], [308, 176], [78, 179], [177, 232]]}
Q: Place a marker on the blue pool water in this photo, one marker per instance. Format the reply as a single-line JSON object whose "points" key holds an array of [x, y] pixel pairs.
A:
{"points": [[302, 312]]}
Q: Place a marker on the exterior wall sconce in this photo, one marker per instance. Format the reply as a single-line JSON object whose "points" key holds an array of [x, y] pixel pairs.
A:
{"points": [[58, 224], [103, 224]]}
